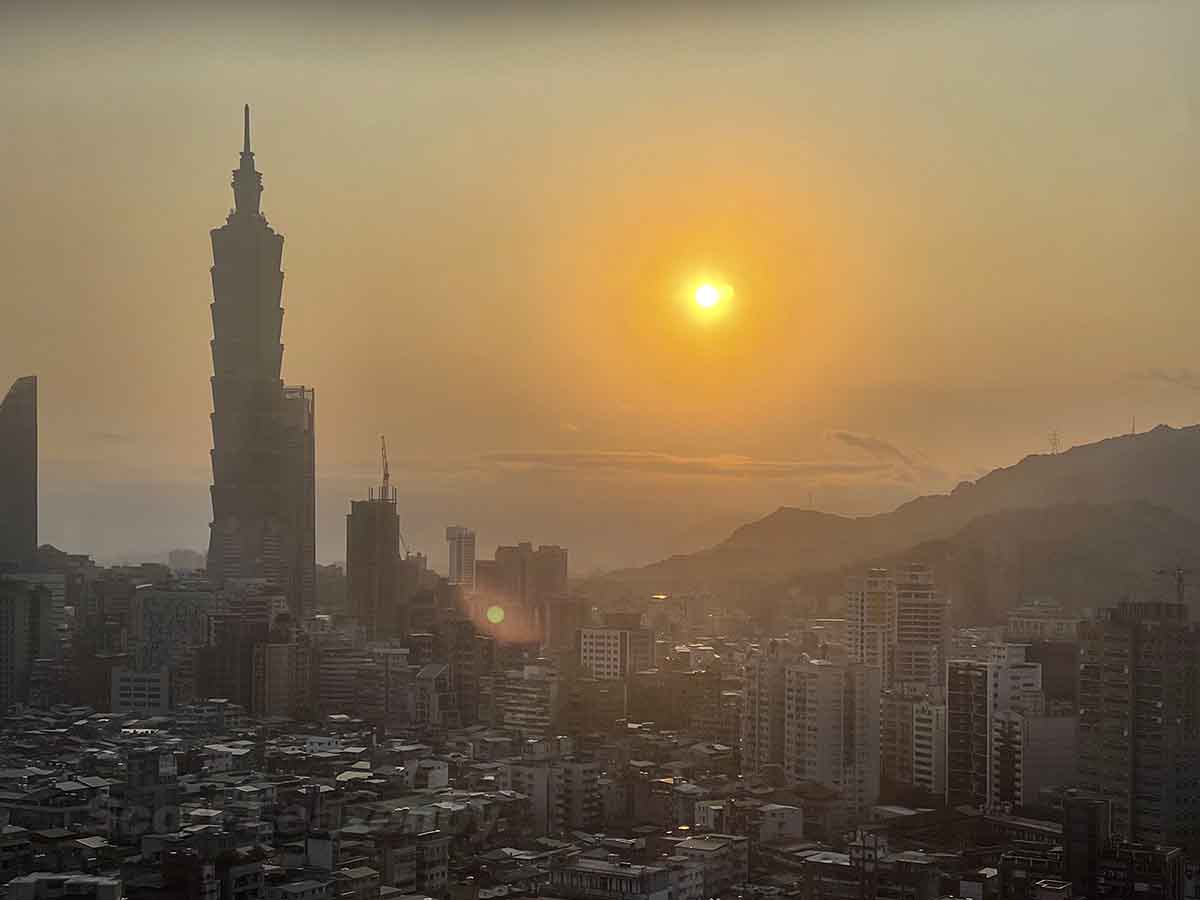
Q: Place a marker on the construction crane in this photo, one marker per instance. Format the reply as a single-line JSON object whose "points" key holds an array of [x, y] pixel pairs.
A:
{"points": [[386, 491], [1180, 575]]}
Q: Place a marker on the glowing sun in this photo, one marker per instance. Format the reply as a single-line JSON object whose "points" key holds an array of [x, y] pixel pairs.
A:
{"points": [[708, 296]]}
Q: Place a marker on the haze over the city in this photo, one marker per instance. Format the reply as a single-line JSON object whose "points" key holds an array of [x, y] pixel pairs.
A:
{"points": [[939, 232]]}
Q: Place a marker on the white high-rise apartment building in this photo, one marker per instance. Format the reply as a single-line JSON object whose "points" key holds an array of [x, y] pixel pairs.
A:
{"points": [[1029, 746], [922, 629], [1016, 682], [929, 746], [899, 624], [986, 702], [871, 620], [913, 739], [461, 543], [831, 727], [607, 653], [763, 686]]}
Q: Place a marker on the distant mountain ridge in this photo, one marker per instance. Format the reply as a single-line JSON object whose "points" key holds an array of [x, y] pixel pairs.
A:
{"points": [[1152, 477], [1083, 555]]}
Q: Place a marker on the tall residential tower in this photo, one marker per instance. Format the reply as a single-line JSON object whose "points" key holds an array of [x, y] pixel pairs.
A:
{"points": [[1139, 720], [922, 629], [263, 497], [831, 729], [871, 621]]}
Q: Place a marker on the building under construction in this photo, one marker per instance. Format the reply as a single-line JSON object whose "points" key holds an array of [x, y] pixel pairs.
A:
{"points": [[372, 560]]}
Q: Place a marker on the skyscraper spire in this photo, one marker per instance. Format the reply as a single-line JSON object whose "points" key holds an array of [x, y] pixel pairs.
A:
{"points": [[247, 183]]}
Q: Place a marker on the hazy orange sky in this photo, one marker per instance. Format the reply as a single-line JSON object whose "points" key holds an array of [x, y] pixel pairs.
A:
{"points": [[950, 227]]}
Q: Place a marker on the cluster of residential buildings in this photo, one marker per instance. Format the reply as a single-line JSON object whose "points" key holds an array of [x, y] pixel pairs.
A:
{"points": [[187, 740]]}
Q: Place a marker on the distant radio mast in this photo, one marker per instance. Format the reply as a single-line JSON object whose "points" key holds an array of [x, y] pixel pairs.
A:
{"points": [[1054, 442]]}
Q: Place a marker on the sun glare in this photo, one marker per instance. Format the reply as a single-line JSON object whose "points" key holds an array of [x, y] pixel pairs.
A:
{"points": [[707, 296]]}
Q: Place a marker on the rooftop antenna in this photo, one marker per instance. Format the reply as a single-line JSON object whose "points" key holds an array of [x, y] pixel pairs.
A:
{"points": [[246, 134], [387, 474]]}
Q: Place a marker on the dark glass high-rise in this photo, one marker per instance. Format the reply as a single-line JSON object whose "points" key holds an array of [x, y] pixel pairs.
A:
{"points": [[19, 474]]}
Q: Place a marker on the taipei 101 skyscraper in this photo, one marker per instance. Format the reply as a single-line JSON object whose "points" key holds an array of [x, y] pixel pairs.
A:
{"points": [[263, 496]]}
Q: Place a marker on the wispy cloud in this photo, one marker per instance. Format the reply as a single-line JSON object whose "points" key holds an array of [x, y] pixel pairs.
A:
{"points": [[650, 462], [884, 463], [877, 447], [1184, 378], [913, 466]]}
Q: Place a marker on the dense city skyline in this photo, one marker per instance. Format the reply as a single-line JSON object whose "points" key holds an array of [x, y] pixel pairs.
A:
{"points": [[817, 160], [884, 312]]}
